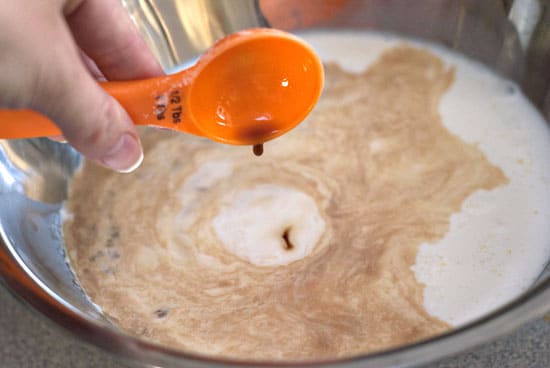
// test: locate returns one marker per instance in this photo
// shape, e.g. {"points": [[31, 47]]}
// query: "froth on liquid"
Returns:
{"points": [[393, 197]]}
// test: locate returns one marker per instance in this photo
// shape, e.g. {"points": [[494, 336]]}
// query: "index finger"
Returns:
{"points": [[105, 32]]}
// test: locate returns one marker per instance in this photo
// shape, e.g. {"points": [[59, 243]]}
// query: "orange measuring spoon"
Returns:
{"points": [[250, 87]]}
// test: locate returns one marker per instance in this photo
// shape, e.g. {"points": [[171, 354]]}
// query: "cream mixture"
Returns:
{"points": [[414, 198]]}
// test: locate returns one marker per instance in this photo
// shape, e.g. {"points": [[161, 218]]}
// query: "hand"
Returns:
{"points": [[50, 53]]}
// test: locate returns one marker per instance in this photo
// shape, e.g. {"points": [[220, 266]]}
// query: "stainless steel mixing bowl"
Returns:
{"points": [[512, 37]]}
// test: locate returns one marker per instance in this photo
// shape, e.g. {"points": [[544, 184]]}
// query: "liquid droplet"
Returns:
{"points": [[258, 149]]}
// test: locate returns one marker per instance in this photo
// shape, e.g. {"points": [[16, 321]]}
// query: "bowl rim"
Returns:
{"points": [[32, 293]]}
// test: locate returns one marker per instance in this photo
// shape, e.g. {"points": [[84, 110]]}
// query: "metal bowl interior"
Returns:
{"points": [[510, 37]]}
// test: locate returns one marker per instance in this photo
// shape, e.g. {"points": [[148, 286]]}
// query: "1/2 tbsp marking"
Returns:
{"points": [[176, 110]]}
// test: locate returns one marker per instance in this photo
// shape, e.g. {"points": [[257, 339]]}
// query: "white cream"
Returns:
{"points": [[499, 243], [269, 225]]}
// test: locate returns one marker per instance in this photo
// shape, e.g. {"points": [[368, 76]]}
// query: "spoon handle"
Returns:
{"points": [[15, 124], [158, 102]]}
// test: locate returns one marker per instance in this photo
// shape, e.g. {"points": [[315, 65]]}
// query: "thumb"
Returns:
{"points": [[92, 121]]}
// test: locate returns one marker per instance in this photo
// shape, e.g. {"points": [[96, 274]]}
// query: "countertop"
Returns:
{"points": [[28, 342]]}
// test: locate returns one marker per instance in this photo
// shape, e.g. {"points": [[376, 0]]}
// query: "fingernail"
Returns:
{"points": [[125, 156]]}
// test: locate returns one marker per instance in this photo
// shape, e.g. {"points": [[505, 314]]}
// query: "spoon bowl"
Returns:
{"points": [[254, 86]]}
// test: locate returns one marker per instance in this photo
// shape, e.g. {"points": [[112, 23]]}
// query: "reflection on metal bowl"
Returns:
{"points": [[510, 37]]}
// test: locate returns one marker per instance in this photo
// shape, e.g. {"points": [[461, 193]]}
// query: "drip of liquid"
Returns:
{"points": [[288, 243], [258, 149]]}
